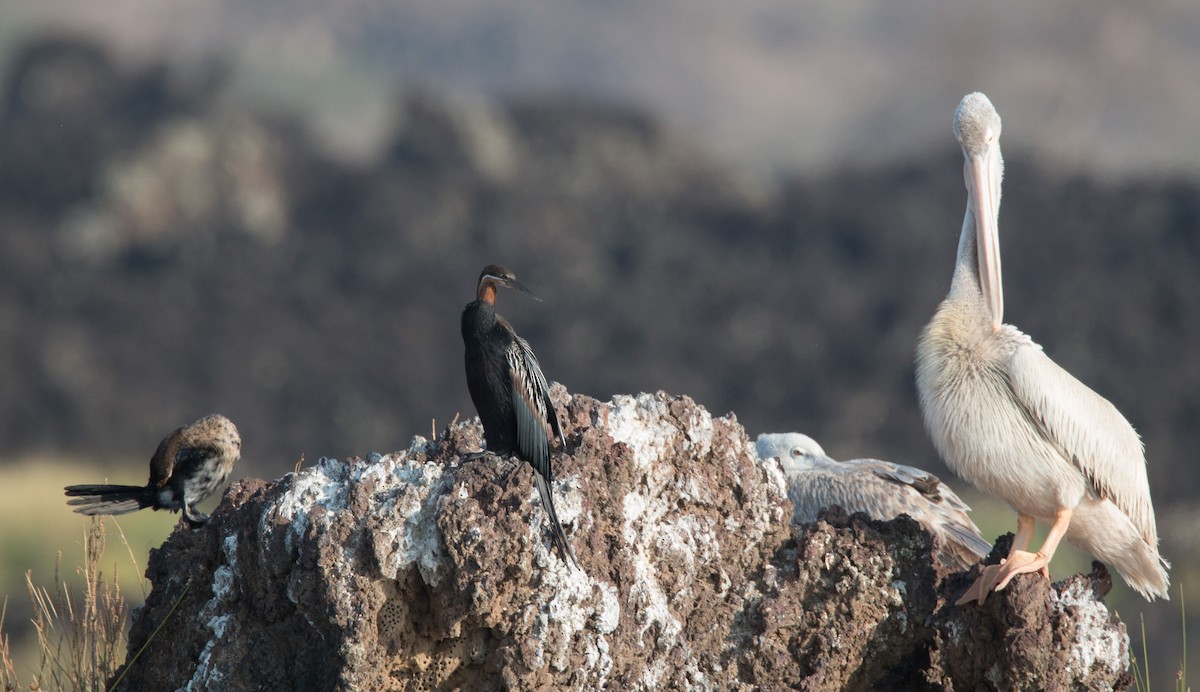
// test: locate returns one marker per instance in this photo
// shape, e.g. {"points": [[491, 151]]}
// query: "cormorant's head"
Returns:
{"points": [[494, 275]]}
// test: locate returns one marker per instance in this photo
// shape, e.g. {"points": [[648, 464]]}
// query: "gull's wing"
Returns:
{"points": [[884, 491]]}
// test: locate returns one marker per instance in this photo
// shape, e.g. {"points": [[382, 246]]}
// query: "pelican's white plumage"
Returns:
{"points": [[1012, 422], [881, 489]]}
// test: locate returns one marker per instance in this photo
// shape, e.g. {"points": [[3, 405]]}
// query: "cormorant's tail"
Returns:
{"points": [[109, 499], [560, 538]]}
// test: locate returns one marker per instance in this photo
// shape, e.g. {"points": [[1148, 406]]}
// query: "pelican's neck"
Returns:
{"points": [[965, 285]]}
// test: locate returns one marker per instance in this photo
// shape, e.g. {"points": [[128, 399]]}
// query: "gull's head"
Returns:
{"points": [[796, 452]]}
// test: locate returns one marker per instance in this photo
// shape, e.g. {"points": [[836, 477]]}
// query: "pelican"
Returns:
{"points": [[1012, 422], [881, 489]]}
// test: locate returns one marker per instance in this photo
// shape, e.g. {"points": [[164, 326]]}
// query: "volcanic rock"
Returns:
{"points": [[419, 570]]}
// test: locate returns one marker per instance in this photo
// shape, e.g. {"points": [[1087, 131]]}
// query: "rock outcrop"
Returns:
{"points": [[417, 570]]}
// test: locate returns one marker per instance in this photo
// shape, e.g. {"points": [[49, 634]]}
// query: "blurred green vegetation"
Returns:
{"points": [[38, 528]]}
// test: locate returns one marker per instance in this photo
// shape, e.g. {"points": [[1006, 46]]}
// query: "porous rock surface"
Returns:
{"points": [[419, 570]]}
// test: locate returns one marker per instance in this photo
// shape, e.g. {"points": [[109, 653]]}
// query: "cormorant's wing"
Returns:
{"points": [[187, 459], [162, 464]]}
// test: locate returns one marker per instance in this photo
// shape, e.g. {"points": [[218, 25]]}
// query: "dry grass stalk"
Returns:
{"points": [[82, 643]]}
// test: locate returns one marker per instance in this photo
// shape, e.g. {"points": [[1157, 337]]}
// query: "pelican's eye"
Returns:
{"points": [[797, 452]]}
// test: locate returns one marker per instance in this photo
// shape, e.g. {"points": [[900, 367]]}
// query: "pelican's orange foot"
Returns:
{"points": [[979, 590], [1021, 562], [996, 577]]}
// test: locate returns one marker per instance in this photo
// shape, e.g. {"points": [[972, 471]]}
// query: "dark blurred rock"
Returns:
{"points": [[69, 109], [419, 571], [166, 253]]}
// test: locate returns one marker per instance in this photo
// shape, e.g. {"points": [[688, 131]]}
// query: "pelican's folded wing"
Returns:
{"points": [[1088, 431]]}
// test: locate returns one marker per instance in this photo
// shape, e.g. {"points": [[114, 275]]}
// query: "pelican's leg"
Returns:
{"points": [[1024, 534], [990, 576], [1022, 562]]}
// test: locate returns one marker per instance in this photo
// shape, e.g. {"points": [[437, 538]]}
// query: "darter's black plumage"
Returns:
{"points": [[509, 390]]}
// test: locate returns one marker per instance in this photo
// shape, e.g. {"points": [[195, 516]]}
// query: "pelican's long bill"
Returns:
{"points": [[983, 176], [983, 172]]}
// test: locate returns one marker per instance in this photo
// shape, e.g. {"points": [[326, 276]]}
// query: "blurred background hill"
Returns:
{"points": [[1107, 85], [279, 213]]}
